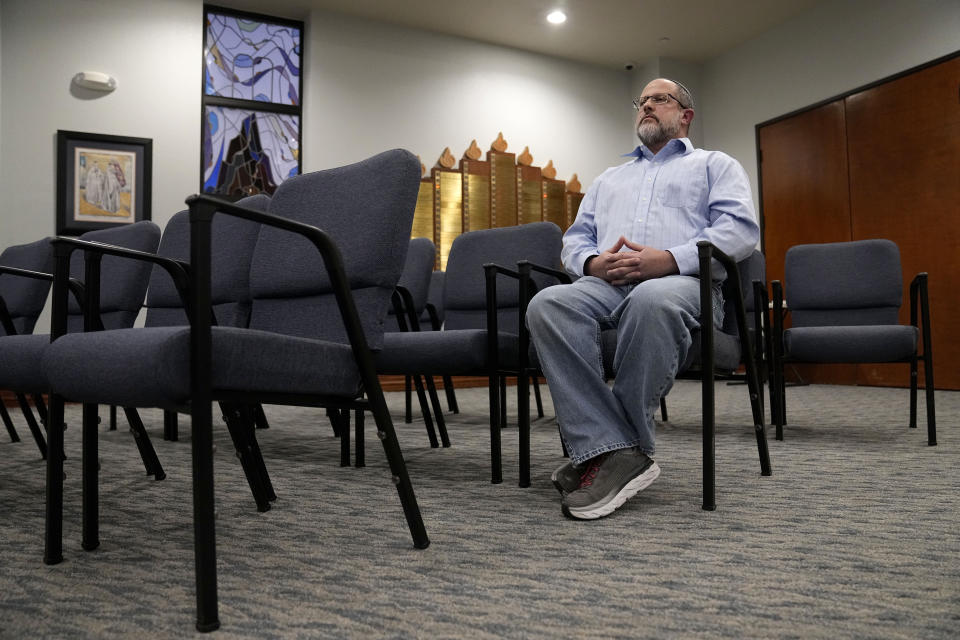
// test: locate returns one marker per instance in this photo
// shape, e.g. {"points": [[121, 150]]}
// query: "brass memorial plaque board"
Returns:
{"points": [[553, 203], [529, 195], [503, 189], [423, 226], [573, 205], [448, 210], [476, 194]]}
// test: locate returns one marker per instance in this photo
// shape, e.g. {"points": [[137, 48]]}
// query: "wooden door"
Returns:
{"points": [[805, 199], [903, 140]]}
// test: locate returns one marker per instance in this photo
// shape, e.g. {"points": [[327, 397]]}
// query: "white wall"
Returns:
{"points": [[830, 49], [373, 86], [152, 48], [369, 87]]}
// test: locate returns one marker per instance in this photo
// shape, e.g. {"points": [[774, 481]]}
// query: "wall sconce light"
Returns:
{"points": [[95, 80]]}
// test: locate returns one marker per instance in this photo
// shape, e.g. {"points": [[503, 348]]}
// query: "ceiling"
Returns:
{"points": [[612, 33]]}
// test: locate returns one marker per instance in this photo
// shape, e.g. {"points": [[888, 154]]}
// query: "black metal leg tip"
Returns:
{"points": [[709, 507], [263, 508], [932, 443], [57, 559], [524, 484], [423, 544], [159, 476], [207, 627], [90, 546]]}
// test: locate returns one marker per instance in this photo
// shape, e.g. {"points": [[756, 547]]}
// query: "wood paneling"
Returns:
{"points": [[904, 155], [804, 173], [803, 170], [884, 163]]}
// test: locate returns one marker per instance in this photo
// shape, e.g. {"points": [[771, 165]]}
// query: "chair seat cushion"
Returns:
{"points": [[151, 367], [20, 369], [876, 343], [454, 352]]}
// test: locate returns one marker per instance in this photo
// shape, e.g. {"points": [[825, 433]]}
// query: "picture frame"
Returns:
{"points": [[102, 181]]}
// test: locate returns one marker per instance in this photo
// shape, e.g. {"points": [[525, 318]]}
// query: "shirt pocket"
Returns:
{"points": [[682, 192]]}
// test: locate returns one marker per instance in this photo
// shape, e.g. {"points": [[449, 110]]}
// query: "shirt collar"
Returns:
{"points": [[679, 146]]}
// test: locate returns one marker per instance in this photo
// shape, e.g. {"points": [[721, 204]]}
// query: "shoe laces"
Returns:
{"points": [[590, 473]]}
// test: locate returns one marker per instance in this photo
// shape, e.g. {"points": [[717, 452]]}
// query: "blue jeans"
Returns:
{"points": [[653, 318]]}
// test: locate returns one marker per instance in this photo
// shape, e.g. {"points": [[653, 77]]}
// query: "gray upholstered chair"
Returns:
{"points": [[410, 304], [232, 251], [324, 266], [844, 300], [716, 352], [119, 303], [480, 335], [432, 317], [25, 277]]}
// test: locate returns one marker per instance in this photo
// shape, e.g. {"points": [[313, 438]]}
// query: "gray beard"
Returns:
{"points": [[657, 133]]}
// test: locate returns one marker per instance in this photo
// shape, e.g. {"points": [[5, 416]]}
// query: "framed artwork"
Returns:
{"points": [[250, 102], [102, 181]]}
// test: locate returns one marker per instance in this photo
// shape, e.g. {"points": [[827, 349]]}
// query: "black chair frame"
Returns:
{"points": [[919, 302]]}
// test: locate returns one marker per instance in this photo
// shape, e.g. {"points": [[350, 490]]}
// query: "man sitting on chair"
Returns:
{"points": [[634, 242]]}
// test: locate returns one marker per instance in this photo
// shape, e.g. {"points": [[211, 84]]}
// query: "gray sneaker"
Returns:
{"points": [[608, 481], [566, 477]]}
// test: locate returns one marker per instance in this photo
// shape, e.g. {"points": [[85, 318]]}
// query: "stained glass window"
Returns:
{"points": [[252, 83]]}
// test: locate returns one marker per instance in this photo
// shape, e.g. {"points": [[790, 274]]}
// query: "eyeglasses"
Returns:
{"points": [[657, 98]]}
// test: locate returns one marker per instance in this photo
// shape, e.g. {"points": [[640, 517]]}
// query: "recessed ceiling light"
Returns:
{"points": [[556, 17]]}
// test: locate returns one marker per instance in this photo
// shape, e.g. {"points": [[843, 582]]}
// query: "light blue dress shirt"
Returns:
{"points": [[669, 201]]}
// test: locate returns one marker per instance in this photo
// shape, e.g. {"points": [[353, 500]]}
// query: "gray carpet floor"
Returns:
{"points": [[854, 536]]}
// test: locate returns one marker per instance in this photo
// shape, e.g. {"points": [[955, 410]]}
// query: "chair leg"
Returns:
{"points": [[343, 420], [147, 453], [425, 410], [171, 431], [259, 417], [523, 425], [32, 424], [496, 464], [536, 394], [503, 403], [913, 394], [113, 417], [663, 408], [451, 394], [8, 423], [437, 411], [91, 474], [239, 434], [41, 406], [204, 516], [359, 455], [929, 389], [53, 515], [249, 414], [407, 399]]}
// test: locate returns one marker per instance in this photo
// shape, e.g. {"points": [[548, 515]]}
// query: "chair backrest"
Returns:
{"points": [[464, 294], [843, 283], [123, 282], [25, 297], [367, 209], [232, 249], [753, 267], [416, 276]]}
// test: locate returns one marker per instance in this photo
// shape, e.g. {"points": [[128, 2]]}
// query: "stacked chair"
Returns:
{"points": [[117, 305], [481, 326], [325, 263], [844, 302], [715, 351], [24, 283]]}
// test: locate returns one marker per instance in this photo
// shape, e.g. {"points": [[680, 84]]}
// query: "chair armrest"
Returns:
{"points": [[562, 276], [179, 271], [491, 271], [72, 284]]}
